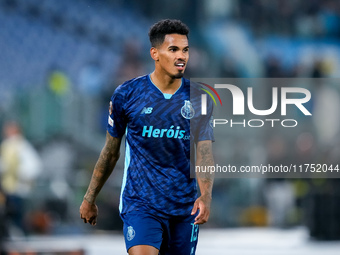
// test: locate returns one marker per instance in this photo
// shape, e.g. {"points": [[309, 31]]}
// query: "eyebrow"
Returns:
{"points": [[176, 47]]}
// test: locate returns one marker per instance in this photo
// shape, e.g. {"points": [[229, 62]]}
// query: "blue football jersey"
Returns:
{"points": [[161, 131]]}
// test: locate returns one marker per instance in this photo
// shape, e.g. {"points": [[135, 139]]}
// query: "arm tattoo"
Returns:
{"points": [[205, 160], [104, 167]]}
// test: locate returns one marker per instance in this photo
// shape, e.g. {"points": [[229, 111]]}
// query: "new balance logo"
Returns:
{"points": [[146, 110]]}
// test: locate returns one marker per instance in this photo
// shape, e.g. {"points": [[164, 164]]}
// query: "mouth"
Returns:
{"points": [[180, 65]]}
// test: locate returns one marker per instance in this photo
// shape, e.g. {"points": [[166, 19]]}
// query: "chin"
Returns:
{"points": [[178, 76]]}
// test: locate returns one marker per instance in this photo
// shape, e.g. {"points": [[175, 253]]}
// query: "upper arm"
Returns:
{"points": [[117, 120], [203, 126]]}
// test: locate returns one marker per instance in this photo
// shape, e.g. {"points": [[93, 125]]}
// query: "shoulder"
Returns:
{"points": [[130, 86], [194, 88], [198, 89]]}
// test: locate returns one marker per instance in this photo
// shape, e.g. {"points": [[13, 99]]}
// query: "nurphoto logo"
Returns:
{"points": [[281, 97]]}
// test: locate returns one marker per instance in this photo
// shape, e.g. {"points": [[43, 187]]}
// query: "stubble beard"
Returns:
{"points": [[178, 75]]}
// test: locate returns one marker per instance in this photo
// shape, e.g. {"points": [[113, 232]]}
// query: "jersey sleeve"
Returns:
{"points": [[205, 125], [116, 120]]}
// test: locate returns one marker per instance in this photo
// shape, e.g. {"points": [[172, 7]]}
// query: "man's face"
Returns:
{"points": [[173, 55]]}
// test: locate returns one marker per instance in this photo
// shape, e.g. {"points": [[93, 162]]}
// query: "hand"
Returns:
{"points": [[203, 205], [88, 212]]}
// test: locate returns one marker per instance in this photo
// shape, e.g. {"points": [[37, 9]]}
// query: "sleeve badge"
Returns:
{"points": [[110, 108]]}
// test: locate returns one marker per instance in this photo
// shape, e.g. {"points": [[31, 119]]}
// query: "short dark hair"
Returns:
{"points": [[159, 30]]}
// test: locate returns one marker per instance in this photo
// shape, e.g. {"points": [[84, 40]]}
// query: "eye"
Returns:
{"points": [[186, 50], [173, 50]]}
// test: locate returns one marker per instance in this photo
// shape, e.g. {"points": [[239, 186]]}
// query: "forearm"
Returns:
{"points": [[101, 173], [205, 160], [103, 169]]}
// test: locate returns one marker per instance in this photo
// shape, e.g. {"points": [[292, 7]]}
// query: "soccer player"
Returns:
{"points": [[160, 113]]}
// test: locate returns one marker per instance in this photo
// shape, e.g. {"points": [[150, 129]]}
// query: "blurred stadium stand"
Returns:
{"points": [[244, 241]]}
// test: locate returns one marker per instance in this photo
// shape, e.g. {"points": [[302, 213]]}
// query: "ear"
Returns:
{"points": [[154, 53]]}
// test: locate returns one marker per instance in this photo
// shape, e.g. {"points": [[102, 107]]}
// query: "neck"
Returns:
{"points": [[165, 83]]}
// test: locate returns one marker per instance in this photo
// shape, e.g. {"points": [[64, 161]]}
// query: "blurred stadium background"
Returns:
{"points": [[61, 60]]}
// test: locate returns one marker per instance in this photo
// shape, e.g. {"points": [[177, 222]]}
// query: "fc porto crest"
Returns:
{"points": [[130, 233], [187, 110]]}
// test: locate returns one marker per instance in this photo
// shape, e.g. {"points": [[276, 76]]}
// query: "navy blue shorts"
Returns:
{"points": [[171, 236]]}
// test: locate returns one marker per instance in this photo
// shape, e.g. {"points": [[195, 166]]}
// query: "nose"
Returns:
{"points": [[182, 55]]}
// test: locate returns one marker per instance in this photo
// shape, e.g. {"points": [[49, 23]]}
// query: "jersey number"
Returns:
{"points": [[194, 232]]}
